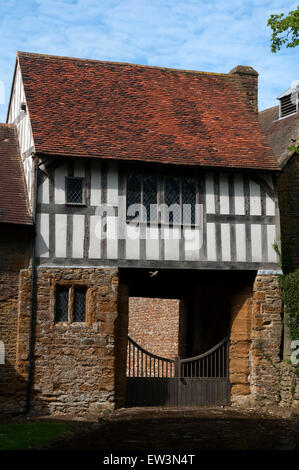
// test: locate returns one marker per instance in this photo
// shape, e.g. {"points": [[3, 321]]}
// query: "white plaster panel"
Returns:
{"points": [[192, 244], [239, 195], [60, 235], [271, 237], [132, 241], [224, 195], [78, 236], [210, 194], [112, 240], [256, 242], [152, 243], [43, 192], [60, 175], [240, 242], [95, 237], [42, 235], [225, 242], [270, 205], [211, 242], [255, 198], [112, 184], [95, 190], [171, 243]]}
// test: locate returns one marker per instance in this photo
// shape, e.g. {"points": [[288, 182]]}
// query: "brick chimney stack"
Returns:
{"points": [[249, 81]]}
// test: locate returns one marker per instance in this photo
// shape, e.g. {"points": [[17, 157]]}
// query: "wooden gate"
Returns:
{"points": [[157, 381]]}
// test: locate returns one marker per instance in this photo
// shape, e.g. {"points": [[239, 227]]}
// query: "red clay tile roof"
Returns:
{"points": [[121, 111], [13, 197]]}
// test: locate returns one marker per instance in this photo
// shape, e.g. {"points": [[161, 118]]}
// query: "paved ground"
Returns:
{"points": [[181, 429]]}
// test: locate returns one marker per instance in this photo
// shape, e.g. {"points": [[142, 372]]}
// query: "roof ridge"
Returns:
{"points": [[96, 61]]}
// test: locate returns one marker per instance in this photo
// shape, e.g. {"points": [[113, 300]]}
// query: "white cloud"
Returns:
{"points": [[193, 34]]}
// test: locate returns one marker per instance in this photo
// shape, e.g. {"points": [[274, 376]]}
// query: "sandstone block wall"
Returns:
{"points": [[266, 339], [240, 331], [9, 285], [74, 363], [288, 385], [80, 368], [13, 257]]}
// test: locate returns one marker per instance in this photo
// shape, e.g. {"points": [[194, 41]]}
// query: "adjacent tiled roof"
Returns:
{"points": [[13, 199], [267, 116], [121, 111], [280, 132]]}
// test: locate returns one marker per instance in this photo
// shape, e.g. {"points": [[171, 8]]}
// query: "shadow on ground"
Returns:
{"points": [[180, 429]]}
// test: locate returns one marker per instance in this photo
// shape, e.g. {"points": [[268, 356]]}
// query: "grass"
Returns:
{"points": [[19, 436]]}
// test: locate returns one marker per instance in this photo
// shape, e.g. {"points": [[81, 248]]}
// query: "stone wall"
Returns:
{"points": [[13, 257], [80, 368], [9, 283], [288, 385], [266, 339], [155, 324], [74, 363], [258, 375], [240, 330], [273, 381]]}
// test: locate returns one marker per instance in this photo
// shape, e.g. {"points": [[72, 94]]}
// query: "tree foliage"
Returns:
{"points": [[285, 30]]}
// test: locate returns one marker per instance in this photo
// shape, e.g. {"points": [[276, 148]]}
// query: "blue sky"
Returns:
{"points": [[212, 36]]}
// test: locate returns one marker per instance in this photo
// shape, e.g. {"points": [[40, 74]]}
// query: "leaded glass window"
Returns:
{"points": [[74, 191], [179, 198], [70, 304], [79, 305], [150, 198], [188, 200], [62, 304], [172, 198], [133, 194], [142, 192]]}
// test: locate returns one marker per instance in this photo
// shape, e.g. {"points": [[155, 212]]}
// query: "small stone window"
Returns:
{"points": [[75, 190], [70, 304], [62, 304], [79, 305]]}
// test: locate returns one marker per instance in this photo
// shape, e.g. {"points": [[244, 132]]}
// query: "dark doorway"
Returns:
{"points": [[207, 298]]}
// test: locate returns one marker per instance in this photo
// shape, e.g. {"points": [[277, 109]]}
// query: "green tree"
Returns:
{"points": [[285, 30]]}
